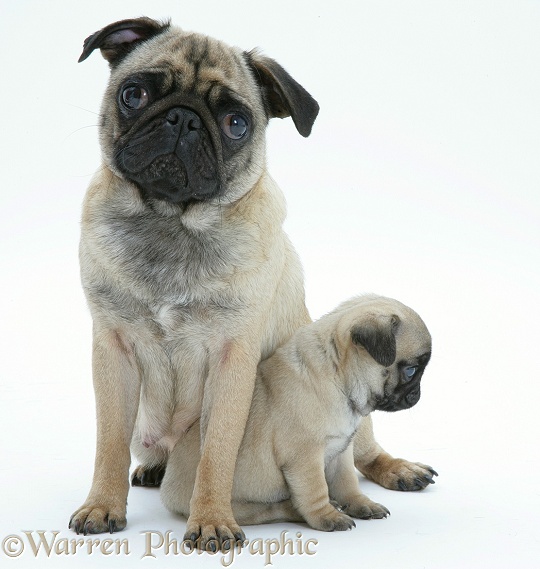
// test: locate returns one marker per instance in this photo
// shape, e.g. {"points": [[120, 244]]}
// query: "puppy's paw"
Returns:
{"points": [[399, 474], [213, 535], [331, 519], [98, 519], [148, 475], [363, 508]]}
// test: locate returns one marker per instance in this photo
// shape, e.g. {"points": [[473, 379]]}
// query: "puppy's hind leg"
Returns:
{"points": [[253, 513], [392, 473]]}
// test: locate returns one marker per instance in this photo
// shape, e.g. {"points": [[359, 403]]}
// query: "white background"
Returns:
{"points": [[420, 181]]}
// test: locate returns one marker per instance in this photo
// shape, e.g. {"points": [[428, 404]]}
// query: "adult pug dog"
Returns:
{"points": [[189, 276], [296, 457]]}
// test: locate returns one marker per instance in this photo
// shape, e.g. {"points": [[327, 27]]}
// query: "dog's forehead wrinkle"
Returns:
{"points": [[203, 52]]}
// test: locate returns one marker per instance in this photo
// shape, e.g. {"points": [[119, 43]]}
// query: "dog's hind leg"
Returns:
{"points": [[253, 513], [148, 475], [377, 465]]}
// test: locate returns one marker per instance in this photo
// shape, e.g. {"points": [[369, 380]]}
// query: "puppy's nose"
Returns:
{"points": [[183, 119]]}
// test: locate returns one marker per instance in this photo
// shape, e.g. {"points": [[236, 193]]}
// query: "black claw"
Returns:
{"points": [[191, 540], [150, 476], [112, 526], [189, 544], [212, 545], [240, 537], [70, 520], [419, 483], [77, 527], [402, 485], [87, 528], [434, 472], [226, 546]]}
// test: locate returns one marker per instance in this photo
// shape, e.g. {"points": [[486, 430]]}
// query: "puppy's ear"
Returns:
{"points": [[116, 40], [282, 95], [377, 334]]}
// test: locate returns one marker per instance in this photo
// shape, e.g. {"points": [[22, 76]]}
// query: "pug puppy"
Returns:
{"points": [[188, 274], [296, 460]]}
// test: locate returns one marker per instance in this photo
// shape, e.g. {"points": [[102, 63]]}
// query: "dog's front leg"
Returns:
{"points": [[117, 389], [305, 476], [344, 489], [227, 399]]}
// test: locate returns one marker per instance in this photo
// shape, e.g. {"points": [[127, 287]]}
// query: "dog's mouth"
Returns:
{"points": [[167, 178], [172, 158], [400, 399]]}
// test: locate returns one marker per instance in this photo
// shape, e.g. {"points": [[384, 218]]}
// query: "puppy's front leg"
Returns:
{"points": [[305, 477], [117, 388], [226, 402], [344, 489]]}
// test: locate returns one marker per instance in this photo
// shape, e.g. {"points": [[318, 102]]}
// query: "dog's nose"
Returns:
{"points": [[183, 119]]}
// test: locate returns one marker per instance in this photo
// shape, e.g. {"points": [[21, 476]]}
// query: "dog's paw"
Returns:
{"points": [[335, 522], [399, 474], [98, 519], [148, 475], [331, 519], [363, 508], [213, 535]]}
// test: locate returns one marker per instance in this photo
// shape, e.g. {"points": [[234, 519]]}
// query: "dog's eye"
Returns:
{"points": [[410, 371], [135, 97], [234, 126]]}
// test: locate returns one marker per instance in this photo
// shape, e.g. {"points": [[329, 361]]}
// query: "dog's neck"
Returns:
{"points": [[315, 356], [200, 218]]}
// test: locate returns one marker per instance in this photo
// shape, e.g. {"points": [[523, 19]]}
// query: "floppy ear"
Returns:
{"points": [[377, 334], [283, 96], [116, 40]]}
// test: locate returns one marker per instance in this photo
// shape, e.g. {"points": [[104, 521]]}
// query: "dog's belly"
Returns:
{"points": [[174, 362]]}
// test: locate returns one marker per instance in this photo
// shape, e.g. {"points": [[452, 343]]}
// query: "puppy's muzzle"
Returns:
{"points": [[404, 396], [171, 157]]}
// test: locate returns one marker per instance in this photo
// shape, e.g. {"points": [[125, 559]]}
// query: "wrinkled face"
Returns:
{"points": [[402, 388], [183, 119], [389, 349], [184, 115]]}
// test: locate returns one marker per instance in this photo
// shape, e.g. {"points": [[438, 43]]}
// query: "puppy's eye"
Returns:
{"points": [[234, 126], [410, 371], [135, 97]]}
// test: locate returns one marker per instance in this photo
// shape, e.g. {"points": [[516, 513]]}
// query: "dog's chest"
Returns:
{"points": [[166, 317], [175, 321], [159, 263], [165, 256], [341, 436]]}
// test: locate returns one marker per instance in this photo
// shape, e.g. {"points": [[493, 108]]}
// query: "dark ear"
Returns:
{"points": [[283, 96], [116, 40], [377, 334]]}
